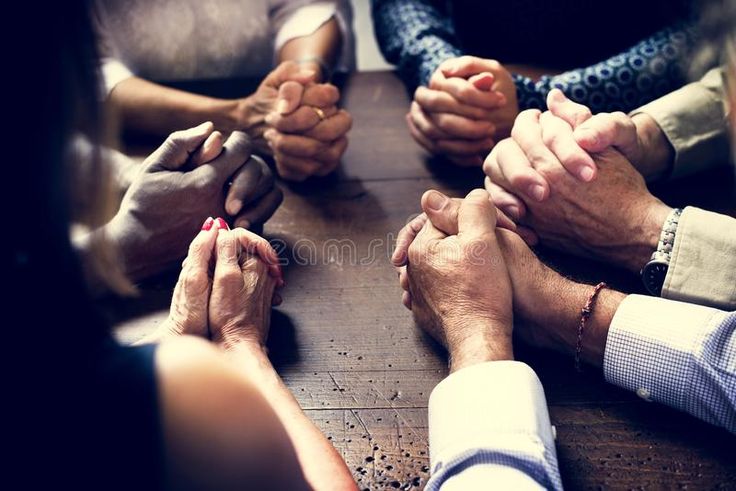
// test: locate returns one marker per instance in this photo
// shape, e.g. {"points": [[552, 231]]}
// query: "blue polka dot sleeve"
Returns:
{"points": [[624, 82], [414, 35]]}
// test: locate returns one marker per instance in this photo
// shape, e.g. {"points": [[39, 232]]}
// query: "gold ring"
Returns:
{"points": [[320, 113]]}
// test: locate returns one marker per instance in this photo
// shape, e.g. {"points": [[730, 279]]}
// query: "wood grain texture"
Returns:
{"points": [[353, 358]]}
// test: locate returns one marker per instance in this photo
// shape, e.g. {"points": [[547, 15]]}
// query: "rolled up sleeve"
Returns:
{"points": [[694, 121], [703, 264], [302, 18]]}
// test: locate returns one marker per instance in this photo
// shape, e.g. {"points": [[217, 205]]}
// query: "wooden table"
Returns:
{"points": [[363, 372]]}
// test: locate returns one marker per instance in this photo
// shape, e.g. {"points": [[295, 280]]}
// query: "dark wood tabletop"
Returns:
{"points": [[363, 371]]}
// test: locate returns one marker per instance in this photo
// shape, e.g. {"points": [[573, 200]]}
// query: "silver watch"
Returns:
{"points": [[654, 272]]}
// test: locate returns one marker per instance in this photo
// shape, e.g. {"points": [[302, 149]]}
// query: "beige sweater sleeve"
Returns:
{"points": [[703, 265], [694, 120]]}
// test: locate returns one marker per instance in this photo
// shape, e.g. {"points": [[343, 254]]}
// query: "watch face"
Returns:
{"points": [[653, 276]]}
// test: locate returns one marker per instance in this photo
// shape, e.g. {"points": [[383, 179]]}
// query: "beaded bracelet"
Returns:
{"points": [[585, 314]]}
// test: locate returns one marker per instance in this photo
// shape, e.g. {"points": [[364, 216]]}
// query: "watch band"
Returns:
{"points": [[667, 237]]}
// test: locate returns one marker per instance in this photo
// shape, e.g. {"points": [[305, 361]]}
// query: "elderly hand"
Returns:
{"points": [[178, 185], [246, 275], [546, 304], [190, 302], [470, 102], [251, 112], [614, 218], [458, 285], [307, 133], [569, 141]]}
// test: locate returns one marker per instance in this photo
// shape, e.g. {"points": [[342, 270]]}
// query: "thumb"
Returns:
{"points": [[476, 216], [609, 130], [562, 107], [289, 70], [179, 146], [290, 97], [441, 210], [483, 81], [466, 66]]}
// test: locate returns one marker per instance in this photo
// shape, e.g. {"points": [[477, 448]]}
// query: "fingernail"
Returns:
{"points": [[436, 201], [222, 224], [269, 118], [586, 174], [537, 192], [207, 225], [234, 206], [282, 106]]}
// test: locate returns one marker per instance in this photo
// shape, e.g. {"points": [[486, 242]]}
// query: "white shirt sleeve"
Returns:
{"points": [[112, 69], [675, 353], [302, 18], [488, 423]]}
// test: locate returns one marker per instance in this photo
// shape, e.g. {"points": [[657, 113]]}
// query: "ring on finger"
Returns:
{"points": [[320, 113]]}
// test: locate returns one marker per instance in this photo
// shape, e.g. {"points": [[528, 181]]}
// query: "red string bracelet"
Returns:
{"points": [[585, 314]]}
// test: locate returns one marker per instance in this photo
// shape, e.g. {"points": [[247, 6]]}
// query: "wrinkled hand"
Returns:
{"points": [[613, 218], [252, 111], [569, 140], [307, 132], [469, 104], [246, 275], [538, 291], [457, 286], [190, 302], [179, 185]]}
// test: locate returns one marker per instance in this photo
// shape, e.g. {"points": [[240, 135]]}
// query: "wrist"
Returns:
{"points": [[564, 301], [239, 343], [488, 342], [645, 235], [249, 118], [657, 154]]}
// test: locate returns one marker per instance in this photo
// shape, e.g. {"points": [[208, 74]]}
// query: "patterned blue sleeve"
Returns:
{"points": [[414, 35], [647, 71]]}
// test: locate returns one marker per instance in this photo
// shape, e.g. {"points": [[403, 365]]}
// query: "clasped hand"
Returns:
{"points": [[194, 174], [470, 103], [299, 122], [569, 179], [226, 287]]}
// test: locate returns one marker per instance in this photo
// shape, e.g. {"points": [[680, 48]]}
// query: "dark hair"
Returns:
{"points": [[51, 92], [55, 94]]}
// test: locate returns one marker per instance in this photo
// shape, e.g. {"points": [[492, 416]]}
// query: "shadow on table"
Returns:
{"points": [[282, 343], [453, 175]]}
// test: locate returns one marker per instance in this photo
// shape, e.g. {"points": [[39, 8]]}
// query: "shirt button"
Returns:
{"points": [[644, 394]]}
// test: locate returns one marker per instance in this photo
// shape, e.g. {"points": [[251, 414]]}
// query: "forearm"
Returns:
{"points": [[644, 72], [488, 343], [321, 463], [564, 300], [323, 46], [147, 107], [658, 155], [416, 36]]}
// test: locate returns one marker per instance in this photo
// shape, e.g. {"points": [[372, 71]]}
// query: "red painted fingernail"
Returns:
{"points": [[207, 225], [222, 224]]}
